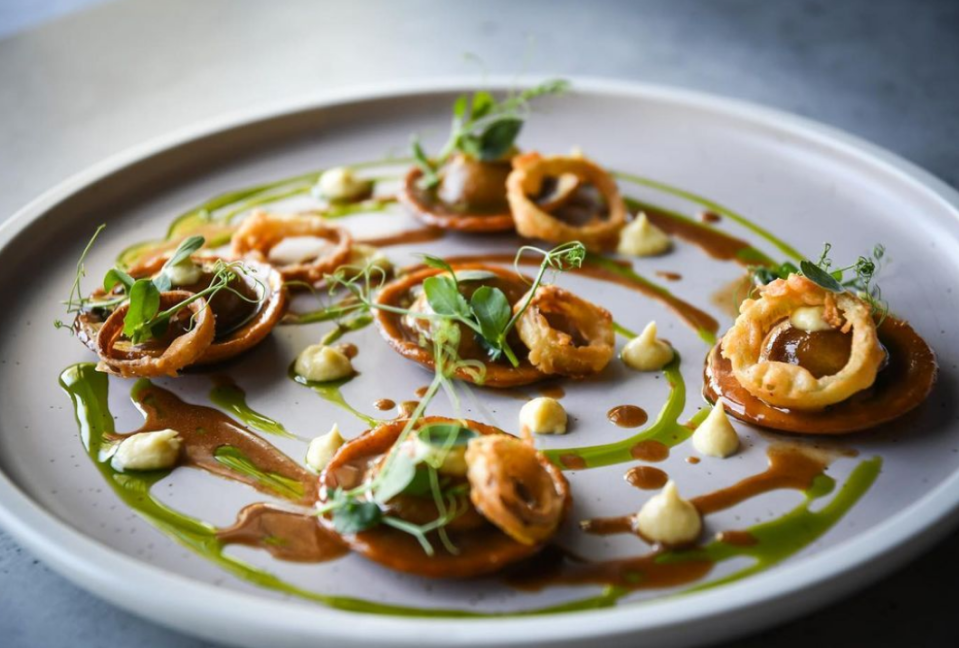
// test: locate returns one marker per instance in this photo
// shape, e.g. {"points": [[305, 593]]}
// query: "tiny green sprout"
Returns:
{"points": [[482, 127]]}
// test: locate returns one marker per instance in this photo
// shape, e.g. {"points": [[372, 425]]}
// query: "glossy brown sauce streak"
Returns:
{"points": [[572, 462], [627, 416], [710, 217], [204, 429], [789, 467], [692, 460], [737, 538], [693, 316], [288, 535], [384, 404], [646, 477], [421, 391], [418, 235], [669, 276], [714, 243], [650, 450], [406, 408]]}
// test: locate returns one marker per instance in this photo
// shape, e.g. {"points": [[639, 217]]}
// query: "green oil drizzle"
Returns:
{"points": [[234, 459], [233, 399], [783, 537], [330, 392], [347, 326], [783, 247]]}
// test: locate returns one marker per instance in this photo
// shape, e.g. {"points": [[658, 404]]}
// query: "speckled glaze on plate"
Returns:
{"points": [[803, 182]]}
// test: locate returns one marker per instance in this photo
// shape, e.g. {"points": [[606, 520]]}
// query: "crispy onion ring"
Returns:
{"points": [[529, 172], [182, 351], [516, 488], [554, 351], [792, 386], [262, 231]]}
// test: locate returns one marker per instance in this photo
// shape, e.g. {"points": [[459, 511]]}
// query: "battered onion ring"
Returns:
{"points": [[184, 350], [262, 230], [792, 386], [515, 487], [529, 172], [554, 351]]}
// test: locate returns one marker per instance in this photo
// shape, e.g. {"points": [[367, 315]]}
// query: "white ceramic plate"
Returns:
{"points": [[803, 182]]}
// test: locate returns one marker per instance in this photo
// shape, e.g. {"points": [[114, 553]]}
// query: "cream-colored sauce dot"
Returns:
{"points": [[641, 238], [339, 184], [322, 449], [321, 363], [809, 319], [147, 451], [668, 519], [299, 249], [716, 436], [184, 273], [646, 352], [543, 415]]}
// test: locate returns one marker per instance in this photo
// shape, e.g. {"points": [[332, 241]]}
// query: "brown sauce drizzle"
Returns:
{"points": [[693, 316], [729, 297], [552, 391], [627, 416], [407, 237], [421, 391], [349, 349], [384, 404], [204, 429], [710, 217], [406, 408], [692, 460], [904, 383], [650, 450], [737, 538], [287, 535], [789, 467], [713, 242], [669, 276], [646, 477], [572, 462]]}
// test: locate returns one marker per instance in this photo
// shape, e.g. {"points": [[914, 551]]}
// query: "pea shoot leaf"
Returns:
{"points": [[144, 304], [187, 247], [400, 473], [115, 277], [492, 312], [820, 277], [444, 296], [352, 515], [474, 275], [446, 435], [436, 262], [498, 139]]}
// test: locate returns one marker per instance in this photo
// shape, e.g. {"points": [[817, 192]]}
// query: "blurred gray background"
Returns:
{"points": [[82, 79]]}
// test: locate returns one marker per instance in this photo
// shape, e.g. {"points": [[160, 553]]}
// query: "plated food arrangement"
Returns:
{"points": [[814, 351]]}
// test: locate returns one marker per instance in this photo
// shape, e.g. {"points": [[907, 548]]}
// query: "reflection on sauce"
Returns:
{"points": [[288, 535], [646, 477], [406, 408], [627, 416], [669, 276], [650, 450], [384, 404], [552, 391]]}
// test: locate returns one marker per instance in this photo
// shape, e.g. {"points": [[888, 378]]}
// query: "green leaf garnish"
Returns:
{"points": [[483, 127], [186, 248], [352, 515], [820, 277], [144, 305], [446, 435], [396, 479], [443, 295], [492, 312], [115, 277]]}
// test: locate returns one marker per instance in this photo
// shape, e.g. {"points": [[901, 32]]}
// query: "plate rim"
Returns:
{"points": [[243, 617]]}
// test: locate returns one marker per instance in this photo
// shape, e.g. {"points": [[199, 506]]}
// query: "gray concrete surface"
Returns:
{"points": [[90, 84]]}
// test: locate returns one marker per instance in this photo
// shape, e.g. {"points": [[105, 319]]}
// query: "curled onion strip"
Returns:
{"points": [[182, 351], [532, 221], [555, 351]]}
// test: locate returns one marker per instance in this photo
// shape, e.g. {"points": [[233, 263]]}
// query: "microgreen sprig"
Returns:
{"points": [[75, 301], [823, 274], [483, 127]]}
